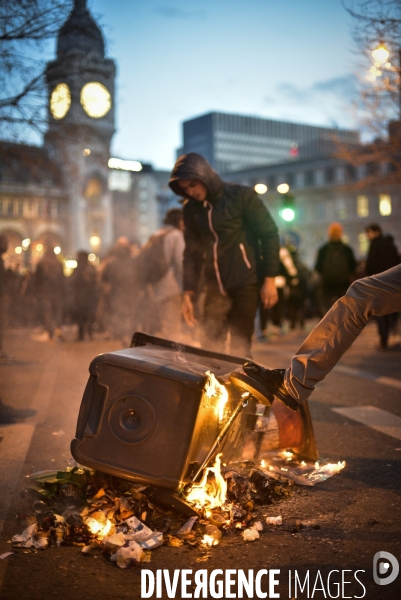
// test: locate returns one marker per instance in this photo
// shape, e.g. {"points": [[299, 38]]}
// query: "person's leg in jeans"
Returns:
{"points": [[383, 327], [334, 334], [241, 319], [215, 319]]}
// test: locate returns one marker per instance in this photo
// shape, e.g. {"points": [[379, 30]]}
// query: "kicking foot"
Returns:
{"points": [[273, 382]]}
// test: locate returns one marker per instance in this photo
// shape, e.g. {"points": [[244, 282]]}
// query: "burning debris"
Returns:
{"points": [[185, 499], [96, 511]]}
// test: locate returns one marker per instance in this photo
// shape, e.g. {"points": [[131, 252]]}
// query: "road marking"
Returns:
{"points": [[373, 417], [390, 381]]}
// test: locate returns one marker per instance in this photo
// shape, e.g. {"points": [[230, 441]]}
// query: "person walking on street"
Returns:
{"points": [[232, 244], [119, 285], [382, 255], [365, 299], [336, 266], [50, 288], [167, 291], [3, 295], [84, 295]]}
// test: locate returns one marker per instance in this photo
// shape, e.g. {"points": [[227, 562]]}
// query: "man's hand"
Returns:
{"points": [[187, 309], [268, 293]]}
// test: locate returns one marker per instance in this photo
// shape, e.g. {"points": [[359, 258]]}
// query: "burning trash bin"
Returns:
{"points": [[158, 412]]}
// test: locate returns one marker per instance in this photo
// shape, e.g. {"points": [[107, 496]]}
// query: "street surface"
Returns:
{"points": [[358, 511]]}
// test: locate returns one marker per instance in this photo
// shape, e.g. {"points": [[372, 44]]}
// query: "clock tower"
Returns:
{"points": [[80, 83]]}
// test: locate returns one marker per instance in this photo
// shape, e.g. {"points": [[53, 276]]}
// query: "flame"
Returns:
{"points": [[206, 493], [214, 389], [97, 528], [209, 540], [333, 467]]}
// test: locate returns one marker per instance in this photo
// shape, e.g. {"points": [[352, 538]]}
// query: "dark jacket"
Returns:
{"points": [[230, 236], [382, 255], [336, 264]]}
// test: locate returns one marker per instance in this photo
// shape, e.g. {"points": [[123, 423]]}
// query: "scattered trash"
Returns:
{"points": [[102, 513], [3, 556], [274, 520], [187, 527], [287, 466], [250, 534], [58, 433]]}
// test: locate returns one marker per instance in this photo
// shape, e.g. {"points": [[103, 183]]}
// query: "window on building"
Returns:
{"points": [[361, 171], [319, 177], [309, 179], [340, 175], [120, 180], [329, 175], [385, 207], [321, 210], [363, 244], [340, 208], [362, 206], [300, 179]]}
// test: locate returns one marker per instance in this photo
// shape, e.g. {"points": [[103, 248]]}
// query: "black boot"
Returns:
{"points": [[273, 381]]}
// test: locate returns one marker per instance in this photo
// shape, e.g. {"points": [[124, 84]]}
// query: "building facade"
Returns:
{"points": [[322, 190], [64, 193], [231, 142]]}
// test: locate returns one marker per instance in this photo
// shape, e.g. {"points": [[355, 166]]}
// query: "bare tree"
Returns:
{"points": [[26, 27], [377, 23]]}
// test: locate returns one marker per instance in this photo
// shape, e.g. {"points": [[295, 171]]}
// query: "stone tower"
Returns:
{"points": [[80, 84]]}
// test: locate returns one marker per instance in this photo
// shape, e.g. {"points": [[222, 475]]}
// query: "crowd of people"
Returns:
{"points": [[214, 269]]}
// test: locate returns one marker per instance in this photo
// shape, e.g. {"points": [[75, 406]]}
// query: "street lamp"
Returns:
{"points": [[381, 54]]}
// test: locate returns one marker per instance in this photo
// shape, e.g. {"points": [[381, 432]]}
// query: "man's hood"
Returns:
{"points": [[194, 166]]}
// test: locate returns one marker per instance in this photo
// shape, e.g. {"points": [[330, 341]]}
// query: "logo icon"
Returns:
{"points": [[385, 568]]}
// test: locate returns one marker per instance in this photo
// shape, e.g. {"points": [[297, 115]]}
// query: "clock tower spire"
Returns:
{"points": [[80, 84]]}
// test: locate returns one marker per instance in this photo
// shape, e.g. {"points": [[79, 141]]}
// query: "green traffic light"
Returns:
{"points": [[288, 214]]}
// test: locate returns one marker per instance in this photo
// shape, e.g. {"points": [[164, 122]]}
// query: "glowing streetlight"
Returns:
{"points": [[260, 188], [95, 241], [57, 250], [283, 188], [25, 243], [380, 54]]}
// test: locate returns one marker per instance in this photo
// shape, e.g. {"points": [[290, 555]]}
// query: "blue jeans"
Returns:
{"points": [[365, 299]]}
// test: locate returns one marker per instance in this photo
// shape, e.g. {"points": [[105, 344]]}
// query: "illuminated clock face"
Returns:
{"points": [[60, 101], [95, 99]]}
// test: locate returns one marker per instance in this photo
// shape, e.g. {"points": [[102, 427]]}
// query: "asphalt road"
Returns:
{"points": [[358, 511]]}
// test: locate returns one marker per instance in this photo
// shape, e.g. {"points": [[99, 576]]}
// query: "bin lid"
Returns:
{"points": [[176, 365]]}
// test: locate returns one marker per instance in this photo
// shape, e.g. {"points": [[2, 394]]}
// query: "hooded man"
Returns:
{"points": [[232, 245]]}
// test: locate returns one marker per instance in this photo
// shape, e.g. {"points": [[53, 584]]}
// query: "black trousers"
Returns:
{"points": [[233, 313]]}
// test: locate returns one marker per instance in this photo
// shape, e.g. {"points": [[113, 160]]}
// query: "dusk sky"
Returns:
{"points": [[283, 59]]}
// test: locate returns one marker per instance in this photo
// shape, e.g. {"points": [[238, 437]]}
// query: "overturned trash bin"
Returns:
{"points": [[158, 412]]}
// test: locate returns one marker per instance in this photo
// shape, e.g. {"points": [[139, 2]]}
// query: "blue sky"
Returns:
{"points": [[287, 59]]}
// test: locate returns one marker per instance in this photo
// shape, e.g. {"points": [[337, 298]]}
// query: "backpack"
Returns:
{"points": [[335, 266], [151, 264]]}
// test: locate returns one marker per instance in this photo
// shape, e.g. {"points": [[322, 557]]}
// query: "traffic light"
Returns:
{"points": [[287, 210]]}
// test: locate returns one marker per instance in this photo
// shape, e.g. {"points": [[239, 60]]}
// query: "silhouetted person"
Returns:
{"points": [[3, 295], [336, 265], [382, 255], [84, 295], [167, 292], [119, 284], [50, 289]]}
